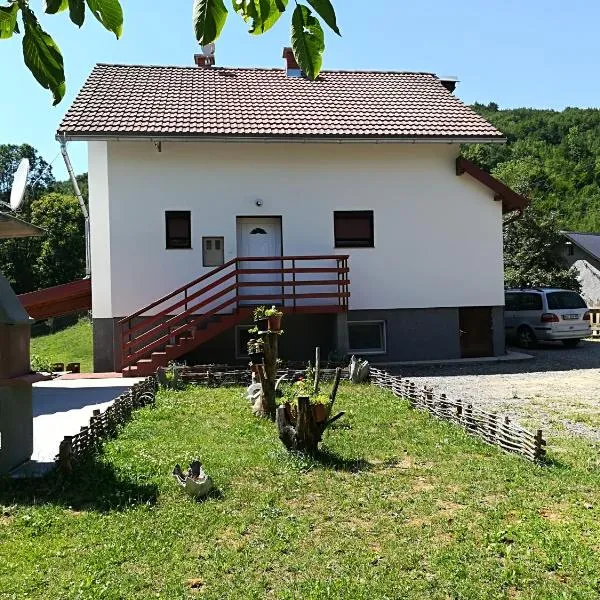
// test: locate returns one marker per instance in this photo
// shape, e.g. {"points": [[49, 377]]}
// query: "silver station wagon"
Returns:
{"points": [[545, 314]]}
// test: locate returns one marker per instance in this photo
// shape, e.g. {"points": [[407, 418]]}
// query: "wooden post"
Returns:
{"points": [[270, 340], [65, 455], [539, 445], [336, 383], [317, 370]]}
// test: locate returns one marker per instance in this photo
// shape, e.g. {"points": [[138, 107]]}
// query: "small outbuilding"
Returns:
{"points": [[16, 418], [582, 251]]}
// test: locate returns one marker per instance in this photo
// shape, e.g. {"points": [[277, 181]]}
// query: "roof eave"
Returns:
{"points": [[162, 137], [12, 228], [511, 200]]}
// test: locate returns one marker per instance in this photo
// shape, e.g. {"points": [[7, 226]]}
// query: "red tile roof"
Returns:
{"points": [[266, 103]]}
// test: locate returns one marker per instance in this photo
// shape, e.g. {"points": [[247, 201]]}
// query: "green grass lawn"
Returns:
{"points": [[399, 506], [72, 344]]}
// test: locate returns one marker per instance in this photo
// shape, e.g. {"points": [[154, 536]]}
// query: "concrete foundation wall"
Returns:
{"points": [[411, 334], [302, 333]]}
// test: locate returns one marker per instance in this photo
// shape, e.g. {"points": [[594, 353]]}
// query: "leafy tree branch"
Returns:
{"points": [[42, 55]]}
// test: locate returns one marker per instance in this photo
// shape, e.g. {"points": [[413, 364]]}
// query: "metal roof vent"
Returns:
{"points": [[292, 67]]}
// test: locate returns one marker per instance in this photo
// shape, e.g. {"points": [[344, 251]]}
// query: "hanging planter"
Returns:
{"points": [[274, 318], [260, 318]]}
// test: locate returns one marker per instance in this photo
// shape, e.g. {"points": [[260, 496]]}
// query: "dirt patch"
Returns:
{"points": [[554, 515], [448, 509], [359, 524], [421, 484], [232, 539]]}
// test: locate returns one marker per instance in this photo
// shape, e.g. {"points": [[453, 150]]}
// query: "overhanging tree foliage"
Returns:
{"points": [[532, 253], [43, 57]]}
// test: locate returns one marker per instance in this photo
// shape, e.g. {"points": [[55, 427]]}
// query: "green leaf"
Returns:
{"points": [[209, 17], [261, 14], [8, 21], [77, 11], [42, 57], [308, 41], [109, 13], [325, 10], [55, 6]]}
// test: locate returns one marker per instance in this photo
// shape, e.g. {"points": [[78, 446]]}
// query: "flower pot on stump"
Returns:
{"points": [[274, 323], [320, 413]]}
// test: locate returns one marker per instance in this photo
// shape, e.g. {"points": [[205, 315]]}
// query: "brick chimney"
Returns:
{"points": [[292, 67], [204, 61]]}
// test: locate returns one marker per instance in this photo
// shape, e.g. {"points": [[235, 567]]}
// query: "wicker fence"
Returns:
{"points": [[490, 427], [222, 375], [104, 425]]}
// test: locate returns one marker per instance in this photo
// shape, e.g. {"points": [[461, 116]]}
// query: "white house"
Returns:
{"points": [[379, 239]]}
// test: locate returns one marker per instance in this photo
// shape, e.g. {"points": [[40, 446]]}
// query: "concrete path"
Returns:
{"points": [[61, 407]]}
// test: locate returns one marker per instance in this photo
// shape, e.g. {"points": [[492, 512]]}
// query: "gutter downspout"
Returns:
{"points": [[84, 210]]}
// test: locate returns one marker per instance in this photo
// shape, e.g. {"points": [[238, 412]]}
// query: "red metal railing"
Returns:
{"points": [[294, 283]]}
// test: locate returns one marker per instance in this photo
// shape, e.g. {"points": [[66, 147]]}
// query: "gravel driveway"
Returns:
{"points": [[558, 390]]}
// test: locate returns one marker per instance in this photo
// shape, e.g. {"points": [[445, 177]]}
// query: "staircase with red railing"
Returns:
{"points": [[197, 312]]}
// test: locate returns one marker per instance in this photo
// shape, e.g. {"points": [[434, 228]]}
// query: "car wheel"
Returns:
{"points": [[571, 343], [526, 338]]}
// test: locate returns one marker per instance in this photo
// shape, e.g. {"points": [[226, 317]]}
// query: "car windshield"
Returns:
{"points": [[565, 300]]}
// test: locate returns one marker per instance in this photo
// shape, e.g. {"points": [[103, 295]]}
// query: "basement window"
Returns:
{"points": [[353, 229], [242, 337], [367, 337], [178, 226]]}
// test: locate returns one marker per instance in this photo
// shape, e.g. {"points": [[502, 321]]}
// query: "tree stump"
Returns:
{"points": [[306, 434]]}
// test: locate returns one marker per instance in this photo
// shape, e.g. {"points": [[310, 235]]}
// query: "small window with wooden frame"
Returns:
{"points": [[178, 228], [353, 229]]}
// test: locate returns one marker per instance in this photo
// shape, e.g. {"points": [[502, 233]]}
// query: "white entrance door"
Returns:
{"points": [[258, 237]]}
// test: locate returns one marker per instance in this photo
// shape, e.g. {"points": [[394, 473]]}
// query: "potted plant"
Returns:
{"points": [[320, 408], [274, 318], [260, 318], [255, 352]]}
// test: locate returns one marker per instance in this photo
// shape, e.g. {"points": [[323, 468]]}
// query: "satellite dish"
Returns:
{"points": [[208, 49], [17, 193]]}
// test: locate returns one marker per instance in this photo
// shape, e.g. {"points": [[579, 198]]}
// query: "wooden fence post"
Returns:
{"points": [[65, 455]]}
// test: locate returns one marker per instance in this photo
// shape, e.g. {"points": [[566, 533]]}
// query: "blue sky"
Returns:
{"points": [[536, 53]]}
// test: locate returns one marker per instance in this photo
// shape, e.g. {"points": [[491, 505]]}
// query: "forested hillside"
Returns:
{"points": [[552, 157]]}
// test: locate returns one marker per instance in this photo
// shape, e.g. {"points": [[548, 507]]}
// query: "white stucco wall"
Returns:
{"points": [[438, 237]]}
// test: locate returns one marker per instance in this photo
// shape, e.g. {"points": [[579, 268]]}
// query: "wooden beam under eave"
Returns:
{"points": [[511, 201]]}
